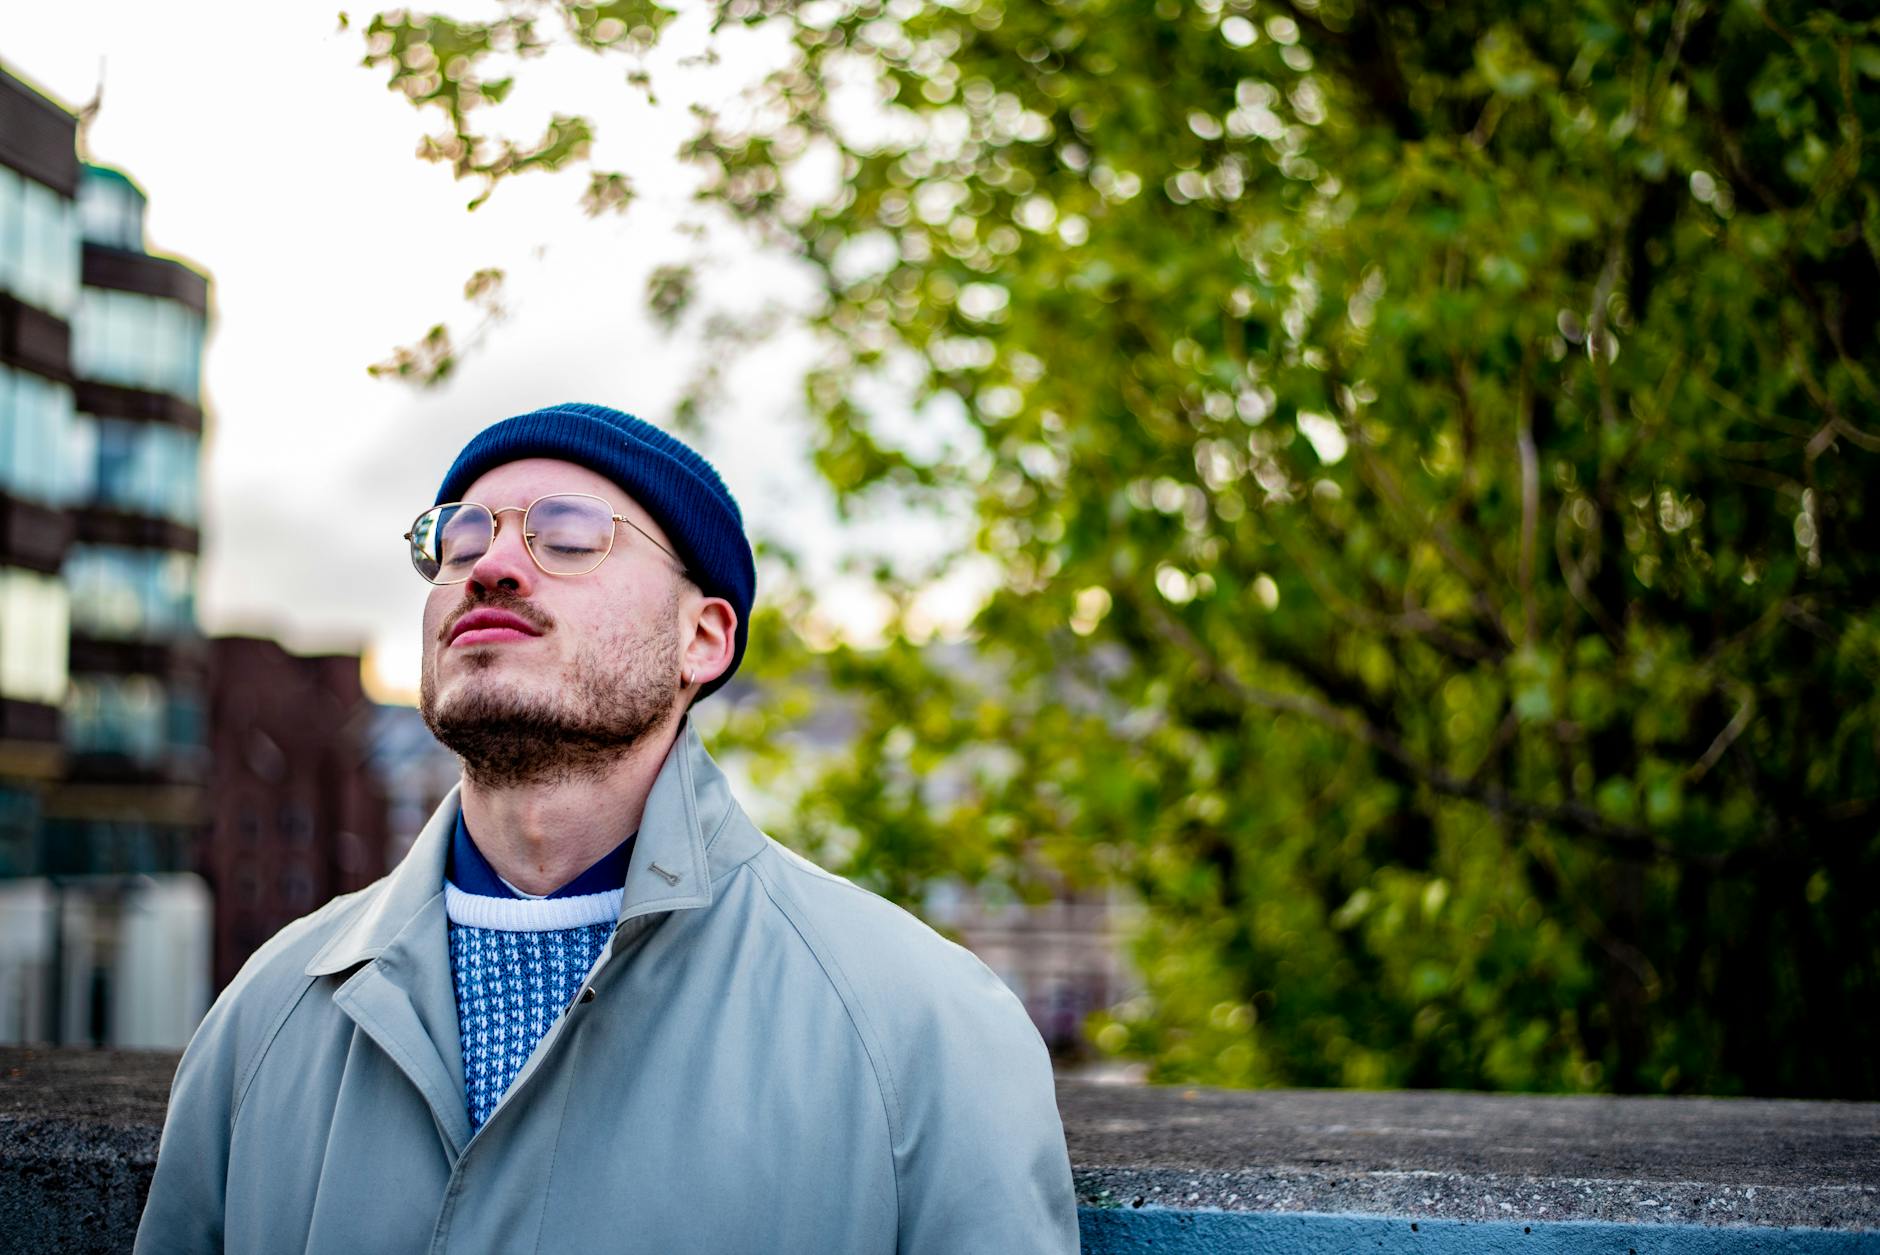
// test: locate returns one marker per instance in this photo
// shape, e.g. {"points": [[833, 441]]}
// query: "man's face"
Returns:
{"points": [[595, 666]]}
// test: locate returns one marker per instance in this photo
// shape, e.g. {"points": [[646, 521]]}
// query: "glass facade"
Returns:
{"points": [[116, 714], [142, 468], [45, 453], [34, 636], [115, 787], [19, 829], [138, 341], [136, 716], [110, 210], [39, 244], [131, 594], [92, 847]]}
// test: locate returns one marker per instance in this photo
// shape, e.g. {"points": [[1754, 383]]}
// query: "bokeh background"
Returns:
{"points": [[1345, 524]]}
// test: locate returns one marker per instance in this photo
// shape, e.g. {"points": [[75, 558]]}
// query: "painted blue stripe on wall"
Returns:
{"points": [[1169, 1231]]}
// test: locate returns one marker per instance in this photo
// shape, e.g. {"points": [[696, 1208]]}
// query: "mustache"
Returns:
{"points": [[497, 599]]}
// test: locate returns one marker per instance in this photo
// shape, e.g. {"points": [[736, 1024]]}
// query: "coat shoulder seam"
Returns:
{"points": [[864, 1027], [296, 992], [266, 1044]]}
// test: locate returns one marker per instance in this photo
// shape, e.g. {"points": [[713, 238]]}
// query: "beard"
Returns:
{"points": [[619, 689]]}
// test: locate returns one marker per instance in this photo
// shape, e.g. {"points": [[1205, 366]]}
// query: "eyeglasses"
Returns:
{"points": [[566, 533]]}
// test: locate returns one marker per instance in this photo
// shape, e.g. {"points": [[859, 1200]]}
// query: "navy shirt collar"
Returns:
{"points": [[472, 873]]}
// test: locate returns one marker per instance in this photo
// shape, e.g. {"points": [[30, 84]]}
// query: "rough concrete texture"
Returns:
{"points": [[1156, 1231], [1476, 1157], [1193, 1170], [78, 1141]]}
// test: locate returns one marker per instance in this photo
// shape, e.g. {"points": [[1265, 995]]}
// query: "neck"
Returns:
{"points": [[540, 836]]}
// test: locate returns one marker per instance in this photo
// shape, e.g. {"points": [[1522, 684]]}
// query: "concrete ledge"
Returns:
{"points": [[1199, 1172], [78, 1142], [1476, 1157], [1159, 1232]]}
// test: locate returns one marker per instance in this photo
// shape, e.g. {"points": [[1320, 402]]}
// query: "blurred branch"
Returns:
{"points": [[430, 360], [1674, 48], [1413, 620], [1383, 482], [1596, 333], [1746, 708], [1576, 817], [1577, 587], [1366, 48], [1504, 736], [1844, 170], [1530, 505], [1837, 424]]}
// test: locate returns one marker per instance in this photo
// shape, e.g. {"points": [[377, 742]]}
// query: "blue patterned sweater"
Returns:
{"points": [[518, 961]]}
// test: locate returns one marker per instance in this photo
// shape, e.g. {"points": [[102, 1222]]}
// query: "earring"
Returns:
{"points": [[685, 678]]}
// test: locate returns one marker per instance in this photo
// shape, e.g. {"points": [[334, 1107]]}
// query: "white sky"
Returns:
{"points": [[278, 164]]}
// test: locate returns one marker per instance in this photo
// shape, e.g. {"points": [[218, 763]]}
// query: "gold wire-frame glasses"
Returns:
{"points": [[426, 532]]}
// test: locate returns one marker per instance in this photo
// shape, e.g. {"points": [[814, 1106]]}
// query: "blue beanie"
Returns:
{"points": [[665, 475]]}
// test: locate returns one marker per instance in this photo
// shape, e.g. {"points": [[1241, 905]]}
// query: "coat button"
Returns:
{"points": [[587, 995]]}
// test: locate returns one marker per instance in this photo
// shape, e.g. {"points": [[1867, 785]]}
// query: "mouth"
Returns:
{"points": [[490, 627]]}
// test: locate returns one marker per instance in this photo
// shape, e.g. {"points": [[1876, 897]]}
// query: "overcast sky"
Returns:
{"points": [[278, 164]]}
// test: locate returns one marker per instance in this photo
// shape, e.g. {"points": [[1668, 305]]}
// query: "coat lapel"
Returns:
{"points": [[403, 997]]}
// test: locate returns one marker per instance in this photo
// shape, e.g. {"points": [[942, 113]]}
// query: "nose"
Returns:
{"points": [[506, 564]]}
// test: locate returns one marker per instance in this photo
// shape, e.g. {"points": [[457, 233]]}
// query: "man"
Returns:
{"points": [[594, 1009]]}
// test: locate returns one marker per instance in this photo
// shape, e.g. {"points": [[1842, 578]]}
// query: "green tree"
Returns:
{"points": [[1425, 449]]}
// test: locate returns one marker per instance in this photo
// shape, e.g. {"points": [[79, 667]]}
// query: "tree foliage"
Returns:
{"points": [[1425, 449]]}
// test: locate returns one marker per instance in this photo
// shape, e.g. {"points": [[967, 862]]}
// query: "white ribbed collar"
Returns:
{"points": [[531, 915]]}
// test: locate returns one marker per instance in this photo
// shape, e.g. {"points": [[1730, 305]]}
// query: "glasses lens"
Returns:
{"points": [[568, 534], [448, 541]]}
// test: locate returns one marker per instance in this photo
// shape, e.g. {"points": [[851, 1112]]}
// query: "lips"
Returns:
{"points": [[481, 627]]}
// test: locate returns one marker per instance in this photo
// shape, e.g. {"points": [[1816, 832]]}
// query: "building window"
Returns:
{"points": [[295, 823], [143, 468], [12, 231], [34, 632], [110, 210], [131, 594], [113, 847], [116, 714], [44, 449], [296, 889], [138, 341], [39, 244], [185, 725], [19, 832]]}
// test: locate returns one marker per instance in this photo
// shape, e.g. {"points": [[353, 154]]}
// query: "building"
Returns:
{"points": [[103, 755], [39, 291], [1064, 957], [133, 798], [299, 813]]}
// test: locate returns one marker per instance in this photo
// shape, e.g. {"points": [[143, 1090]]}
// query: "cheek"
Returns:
{"points": [[436, 608]]}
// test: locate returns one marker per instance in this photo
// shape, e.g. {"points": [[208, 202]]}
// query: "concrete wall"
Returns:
{"points": [[1200, 1172]]}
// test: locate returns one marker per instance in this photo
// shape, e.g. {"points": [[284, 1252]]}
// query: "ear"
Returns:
{"points": [[707, 653]]}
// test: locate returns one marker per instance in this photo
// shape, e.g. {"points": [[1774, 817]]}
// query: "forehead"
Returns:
{"points": [[518, 483]]}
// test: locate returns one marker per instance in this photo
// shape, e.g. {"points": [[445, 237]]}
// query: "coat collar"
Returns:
{"points": [[692, 833]]}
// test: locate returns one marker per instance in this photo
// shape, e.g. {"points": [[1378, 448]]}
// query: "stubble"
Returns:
{"points": [[619, 688]]}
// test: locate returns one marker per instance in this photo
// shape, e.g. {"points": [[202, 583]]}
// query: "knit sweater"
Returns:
{"points": [[517, 961]]}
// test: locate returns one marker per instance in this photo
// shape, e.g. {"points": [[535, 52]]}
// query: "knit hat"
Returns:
{"points": [[665, 475]]}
